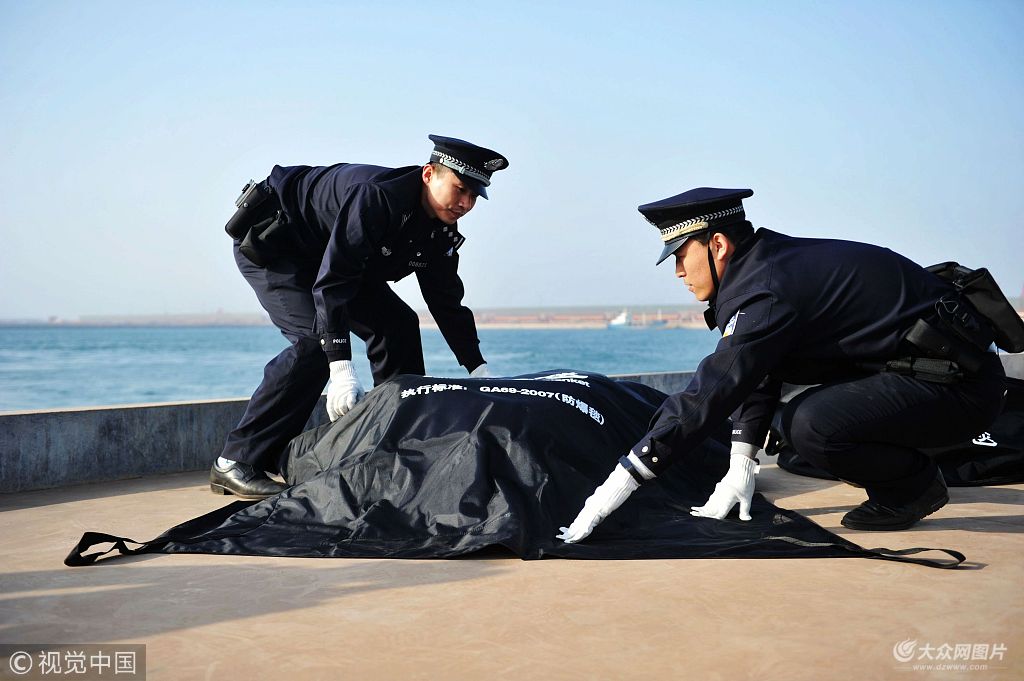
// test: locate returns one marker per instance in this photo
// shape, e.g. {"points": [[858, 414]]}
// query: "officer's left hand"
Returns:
{"points": [[480, 372], [737, 487], [605, 499]]}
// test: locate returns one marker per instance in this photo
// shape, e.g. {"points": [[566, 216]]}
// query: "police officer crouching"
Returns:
{"points": [[318, 246], [861, 322]]}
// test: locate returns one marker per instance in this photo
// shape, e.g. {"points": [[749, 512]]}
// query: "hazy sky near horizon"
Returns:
{"points": [[128, 128]]}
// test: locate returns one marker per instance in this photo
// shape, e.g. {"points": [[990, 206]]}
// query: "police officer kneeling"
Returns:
{"points": [[318, 246], [862, 322]]}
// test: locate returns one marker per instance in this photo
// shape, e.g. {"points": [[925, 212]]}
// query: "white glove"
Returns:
{"points": [[736, 487], [344, 391], [480, 372], [605, 499]]}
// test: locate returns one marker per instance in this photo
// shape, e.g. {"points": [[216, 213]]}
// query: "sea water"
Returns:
{"points": [[48, 367]]}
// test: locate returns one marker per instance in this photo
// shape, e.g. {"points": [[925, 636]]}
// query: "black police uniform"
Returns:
{"points": [[817, 311], [337, 235]]}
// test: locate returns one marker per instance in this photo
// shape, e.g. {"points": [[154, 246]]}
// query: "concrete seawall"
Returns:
{"points": [[56, 448], [60, 447]]}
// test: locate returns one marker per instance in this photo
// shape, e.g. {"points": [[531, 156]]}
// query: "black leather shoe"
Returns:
{"points": [[874, 516], [244, 481]]}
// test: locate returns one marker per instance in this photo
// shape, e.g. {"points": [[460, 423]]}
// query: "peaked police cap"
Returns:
{"points": [[679, 217], [474, 164]]}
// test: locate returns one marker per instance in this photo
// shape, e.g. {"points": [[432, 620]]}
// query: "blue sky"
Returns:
{"points": [[127, 130]]}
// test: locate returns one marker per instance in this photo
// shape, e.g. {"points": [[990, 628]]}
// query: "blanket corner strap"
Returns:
{"points": [[903, 556], [78, 556]]}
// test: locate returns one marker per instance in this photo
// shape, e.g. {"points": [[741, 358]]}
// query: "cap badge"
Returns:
{"points": [[496, 164]]}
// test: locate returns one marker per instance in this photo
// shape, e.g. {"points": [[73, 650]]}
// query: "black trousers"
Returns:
{"points": [[294, 380], [868, 431]]}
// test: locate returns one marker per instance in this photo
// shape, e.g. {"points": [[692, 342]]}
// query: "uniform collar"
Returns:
{"points": [[404, 187], [734, 264]]}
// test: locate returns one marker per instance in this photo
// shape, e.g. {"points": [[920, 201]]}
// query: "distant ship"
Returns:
{"points": [[621, 320], [624, 320]]}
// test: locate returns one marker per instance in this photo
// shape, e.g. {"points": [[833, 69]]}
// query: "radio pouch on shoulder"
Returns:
{"points": [[262, 241], [253, 207], [979, 289]]}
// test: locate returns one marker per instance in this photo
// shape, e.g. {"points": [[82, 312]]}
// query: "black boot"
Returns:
{"points": [[244, 481], [872, 515]]}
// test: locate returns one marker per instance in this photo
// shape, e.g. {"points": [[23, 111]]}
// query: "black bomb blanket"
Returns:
{"points": [[437, 468]]}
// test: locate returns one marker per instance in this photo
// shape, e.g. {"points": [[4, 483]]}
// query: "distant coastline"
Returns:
{"points": [[583, 317]]}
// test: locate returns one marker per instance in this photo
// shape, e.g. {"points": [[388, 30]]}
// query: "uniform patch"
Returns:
{"points": [[731, 326]]}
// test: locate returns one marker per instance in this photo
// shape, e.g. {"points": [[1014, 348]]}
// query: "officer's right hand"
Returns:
{"points": [[737, 487], [344, 390]]}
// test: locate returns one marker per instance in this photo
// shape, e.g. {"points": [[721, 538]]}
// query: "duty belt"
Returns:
{"points": [[936, 355], [926, 369]]}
